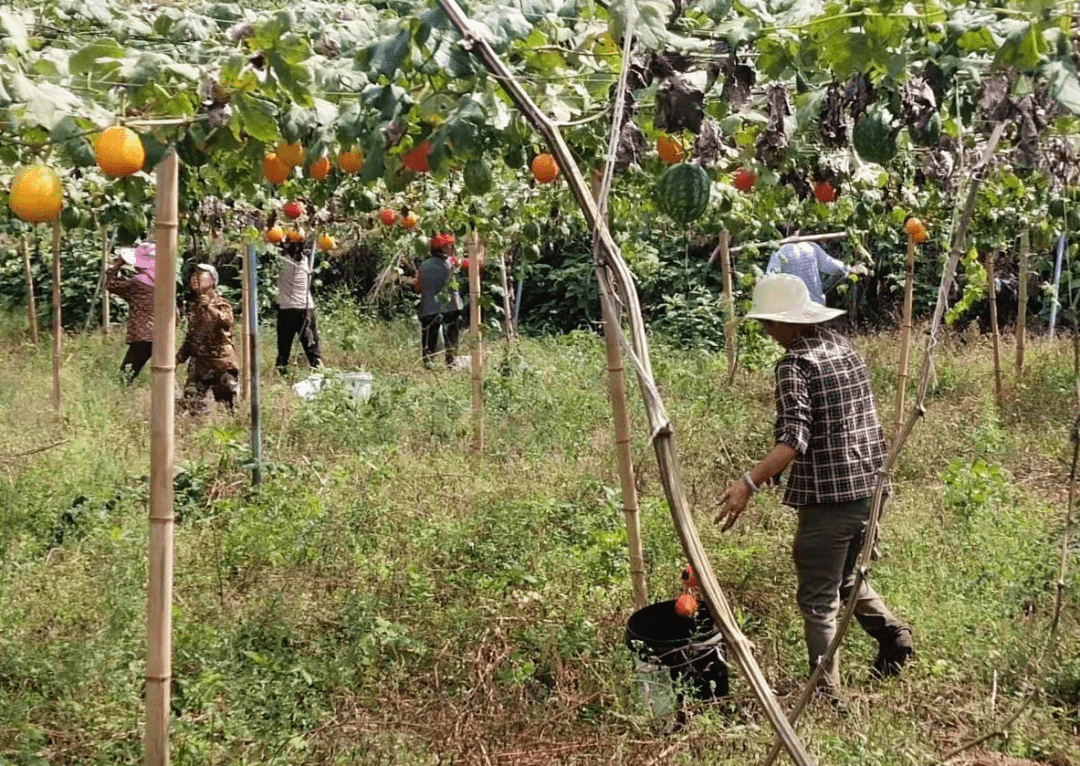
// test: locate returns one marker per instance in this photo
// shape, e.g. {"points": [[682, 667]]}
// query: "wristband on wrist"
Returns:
{"points": [[749, 482]]}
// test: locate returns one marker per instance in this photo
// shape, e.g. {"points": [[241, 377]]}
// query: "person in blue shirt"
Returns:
{"points": [[816, 268]]}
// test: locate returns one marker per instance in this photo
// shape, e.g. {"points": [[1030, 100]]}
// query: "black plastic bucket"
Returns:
{"points": [[690, 647]]}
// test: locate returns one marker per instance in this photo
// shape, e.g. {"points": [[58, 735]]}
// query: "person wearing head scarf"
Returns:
{"points": [[137, 290], [440, 304], [827, 430], [818, 270], [208, 346], [296, 306]]}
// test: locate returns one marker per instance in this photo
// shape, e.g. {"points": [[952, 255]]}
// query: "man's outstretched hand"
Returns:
{"points": [[732, 503]]}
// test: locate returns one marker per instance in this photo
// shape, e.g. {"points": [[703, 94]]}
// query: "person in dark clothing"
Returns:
{"points": [[827, 430], [138, 291], [296, 306], [213, 366], [440, 304]]}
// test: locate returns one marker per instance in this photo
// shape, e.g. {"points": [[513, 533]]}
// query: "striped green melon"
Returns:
{"points": [[682, 193], [874, 136], [477, 177]]}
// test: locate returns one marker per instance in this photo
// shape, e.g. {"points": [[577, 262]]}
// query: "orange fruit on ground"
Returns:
{"points": [[686, 605], [119, 151], [544, 168], [671, 150], [410, 221], [290, 154], [274, 170], [388, 217], [326, 242], [690, 577], [294, 235], [275, 234], [320, 168], [36, 194], [915, 229], [351, 161]]}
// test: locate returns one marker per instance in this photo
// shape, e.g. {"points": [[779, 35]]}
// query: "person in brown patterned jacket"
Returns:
{"points": [[208, 346], [138, 291]]}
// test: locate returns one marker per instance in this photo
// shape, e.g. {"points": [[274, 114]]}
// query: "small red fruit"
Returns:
{"points": [[276, 235], [544, 168], [916, 230], [388, 217], [745, 179], [686, 605], [690, 577], [465, 263], [293, 209], [417, 159], [409, 221], [825, 192]]}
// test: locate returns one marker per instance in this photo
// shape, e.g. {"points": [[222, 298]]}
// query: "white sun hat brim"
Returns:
{"points": [[815, 313]]}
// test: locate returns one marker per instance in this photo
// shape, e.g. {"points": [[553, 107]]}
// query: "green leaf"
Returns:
{"points": [[1022, 47], [385, 57], [650, 25], [257, 116], [13, 31], [298, 123], [70, 138], [1064, 85], [100, 58], [294, 79]]}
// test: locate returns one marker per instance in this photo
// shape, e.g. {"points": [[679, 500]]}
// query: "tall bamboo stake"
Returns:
{"points": [[508, 317], [105, 319], [163, 376], [58, 329], [31, 301], [905, 335], [862, 566], [1022, 300], [476, 251], [995, 335], [252, 309], [730, 324], [620, 412], [637, 350], [245, 347]]}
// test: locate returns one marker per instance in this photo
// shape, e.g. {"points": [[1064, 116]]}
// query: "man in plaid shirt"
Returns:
{"points": [[827, 430]]}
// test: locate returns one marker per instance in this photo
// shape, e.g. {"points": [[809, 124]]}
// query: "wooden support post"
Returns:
{"points": [[57, 323], [730, 325], [905, 336], [252, 310], [105, 318], [162, 379], [995, 335], [1022, 301], [31, 301], [475, 250], [245, 330], [508, 316]]}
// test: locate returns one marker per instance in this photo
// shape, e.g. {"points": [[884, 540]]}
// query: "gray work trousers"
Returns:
{"points": [[826, 549]]}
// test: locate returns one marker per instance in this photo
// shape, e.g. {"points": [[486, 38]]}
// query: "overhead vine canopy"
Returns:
{"points": [[804, 90]]}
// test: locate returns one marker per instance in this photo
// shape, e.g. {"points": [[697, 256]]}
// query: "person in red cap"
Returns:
{"points": [[440, 304]]}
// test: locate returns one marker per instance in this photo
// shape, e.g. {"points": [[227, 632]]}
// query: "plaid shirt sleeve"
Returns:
{"points": [[794, 406]]}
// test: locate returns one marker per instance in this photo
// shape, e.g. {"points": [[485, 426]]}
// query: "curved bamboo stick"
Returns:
{"points": [[862, 567], [612, 267]]}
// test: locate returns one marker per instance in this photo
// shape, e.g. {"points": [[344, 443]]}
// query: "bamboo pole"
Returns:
{"points": [[58, 329], [508, 317], [31, 301], [862, 566], [245, 330], [730, 324], [163, 377], [620, 412], [637, 350], [475, 250], [995, 335], [905, 336], [1022, 300], [105, 318], [252, 309]]}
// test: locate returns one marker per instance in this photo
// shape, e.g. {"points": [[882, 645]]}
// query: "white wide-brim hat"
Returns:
{"points": [[784, 298]]}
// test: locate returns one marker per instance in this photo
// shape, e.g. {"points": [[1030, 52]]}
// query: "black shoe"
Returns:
{"points": [[893, 655]]}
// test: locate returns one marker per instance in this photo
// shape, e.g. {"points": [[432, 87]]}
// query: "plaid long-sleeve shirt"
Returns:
{"points": [[825, 411]]}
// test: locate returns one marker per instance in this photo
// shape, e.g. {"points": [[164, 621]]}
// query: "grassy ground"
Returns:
{"points": [[391, 597]]}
